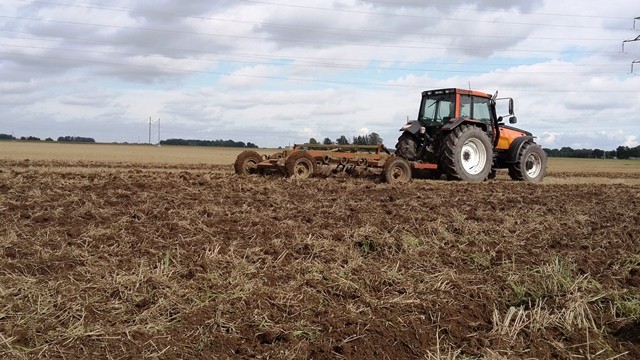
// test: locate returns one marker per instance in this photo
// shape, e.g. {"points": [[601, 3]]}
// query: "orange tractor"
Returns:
{"points": [[457, 134]]}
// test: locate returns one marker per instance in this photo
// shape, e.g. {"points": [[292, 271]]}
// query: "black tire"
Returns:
{"points": [[246, 163], [407, 146], [492, 174], [467, 154], [531, 165], [300, 165], [396, 171]]}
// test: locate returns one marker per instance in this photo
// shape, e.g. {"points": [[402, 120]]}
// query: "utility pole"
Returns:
{"points": [[158, 131]]}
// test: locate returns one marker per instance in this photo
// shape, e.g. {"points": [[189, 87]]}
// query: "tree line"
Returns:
{"points": [[621, 152], [61, 138], [370, 139], [216, 143], [210, 143]]}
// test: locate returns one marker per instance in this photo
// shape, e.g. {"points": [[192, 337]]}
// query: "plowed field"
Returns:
{"points": [[115, 260]]}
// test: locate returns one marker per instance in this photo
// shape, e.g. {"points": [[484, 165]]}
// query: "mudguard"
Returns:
{"points": [[412, 127], [514, 148]]}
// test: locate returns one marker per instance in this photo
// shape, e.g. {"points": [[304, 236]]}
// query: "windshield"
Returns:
{"points": [[437, 109]]}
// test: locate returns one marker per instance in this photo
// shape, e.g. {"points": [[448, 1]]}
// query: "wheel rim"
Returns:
{"points": [[398, 173], [473, 156], [251, 166], [302, 170], [533, 165]]}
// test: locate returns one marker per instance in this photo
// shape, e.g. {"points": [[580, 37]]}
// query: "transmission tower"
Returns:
{"points": [[151, 124]]}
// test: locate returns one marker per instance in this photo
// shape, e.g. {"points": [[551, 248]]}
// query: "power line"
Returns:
{"points": [[297, 41], [317, 61], [301, 61], [308, 28], [430, 4], [423, 17], [303, 65], [331, 82]]}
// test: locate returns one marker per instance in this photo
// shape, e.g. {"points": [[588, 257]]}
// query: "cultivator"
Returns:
{"points": [[304, 160]]}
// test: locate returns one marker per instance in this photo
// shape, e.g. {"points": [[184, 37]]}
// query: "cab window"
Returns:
{"points": [[465, 106], [438, 109], [481, 109]]}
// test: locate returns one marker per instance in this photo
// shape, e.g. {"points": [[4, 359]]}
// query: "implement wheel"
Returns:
{"points": [[531, 165], [396, 171], [300, 165], [247, 163]]}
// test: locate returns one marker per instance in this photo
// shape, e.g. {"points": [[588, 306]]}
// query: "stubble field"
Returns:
{"points": [[116, 256]]}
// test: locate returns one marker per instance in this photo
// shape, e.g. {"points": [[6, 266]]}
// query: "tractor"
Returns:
{"points": [[460, 131]]}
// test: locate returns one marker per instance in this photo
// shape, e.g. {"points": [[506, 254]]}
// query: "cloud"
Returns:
{"points": [[225, 69]]}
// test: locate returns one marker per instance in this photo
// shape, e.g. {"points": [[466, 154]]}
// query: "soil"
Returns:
{"points": [[105, 260]]}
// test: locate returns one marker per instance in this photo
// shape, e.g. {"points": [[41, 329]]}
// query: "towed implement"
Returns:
{"points": [[458, 134]]}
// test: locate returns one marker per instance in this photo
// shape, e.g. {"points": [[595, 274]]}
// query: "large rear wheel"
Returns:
{"points": [[531, 164], [247, 163], [396, 170], [300, 165], [467, 154]]}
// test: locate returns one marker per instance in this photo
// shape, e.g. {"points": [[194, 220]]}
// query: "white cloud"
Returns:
{"points": [[274, 75]]}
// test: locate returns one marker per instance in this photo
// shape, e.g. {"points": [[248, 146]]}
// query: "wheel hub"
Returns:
{"points": [[473, 156], [533, 165]]}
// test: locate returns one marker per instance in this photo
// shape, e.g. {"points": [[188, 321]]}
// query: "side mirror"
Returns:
{"points": [[513, 120], [510, 106], [500, 119]]}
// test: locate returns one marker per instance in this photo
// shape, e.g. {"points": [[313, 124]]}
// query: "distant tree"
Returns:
{"points": [[210, 143], [370, 139], [610, 154], [33, 138], [622, 152], [359, 140], [597, 153], [313, 141], [76, 139], [374, 139], [7, 137], [23, 138], [342, 140], [327, 141], [48, 139]]}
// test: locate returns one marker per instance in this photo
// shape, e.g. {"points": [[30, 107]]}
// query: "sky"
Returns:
{"points": [[278, 72]]}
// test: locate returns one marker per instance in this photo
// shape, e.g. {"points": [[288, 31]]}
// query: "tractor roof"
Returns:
{"points": [[455, 91]]}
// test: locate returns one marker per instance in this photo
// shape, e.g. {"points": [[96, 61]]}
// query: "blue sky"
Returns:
{"points": [[277, 72]]}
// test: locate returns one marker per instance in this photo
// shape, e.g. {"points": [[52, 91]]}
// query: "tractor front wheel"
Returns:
{"points": [[247, 163], [396, 170], [467, 154], [300, 165], [531, 164]]}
